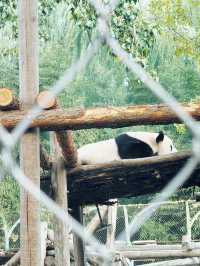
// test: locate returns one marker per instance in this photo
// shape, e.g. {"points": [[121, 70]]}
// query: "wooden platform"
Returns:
{"points": [[99, 183]]}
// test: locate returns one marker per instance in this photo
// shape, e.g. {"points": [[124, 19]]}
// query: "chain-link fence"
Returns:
{"points": [[166, 226], [140, 226]]}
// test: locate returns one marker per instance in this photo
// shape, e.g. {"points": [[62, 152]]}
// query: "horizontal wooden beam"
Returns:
{"points": [[110, 117], [194, 261], [126, 178], [155, 254]]}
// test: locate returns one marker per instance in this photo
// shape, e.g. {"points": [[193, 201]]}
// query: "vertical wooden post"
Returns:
{"points": [[112, 219], [127, 231], [77, 213], [61, 233], [29, 150], [69, 152]]}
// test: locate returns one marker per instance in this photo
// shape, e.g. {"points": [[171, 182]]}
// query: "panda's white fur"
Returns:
{"points": [[161, 148], [106, 151]]}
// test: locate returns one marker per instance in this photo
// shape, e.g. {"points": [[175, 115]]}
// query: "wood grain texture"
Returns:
{"points": [[8, 101], [127, 178], [110, 117], [45, 159], [68, 148], [29, 147], [46, 100], [61, 233]]}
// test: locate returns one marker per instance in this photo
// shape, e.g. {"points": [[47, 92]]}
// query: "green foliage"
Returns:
{"points": [[128, 25], [9, 205], [9, 13], [9, 200], [179, 20]]}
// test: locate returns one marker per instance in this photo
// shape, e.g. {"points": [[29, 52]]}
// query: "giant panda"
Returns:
{"points": [[130, 145]]}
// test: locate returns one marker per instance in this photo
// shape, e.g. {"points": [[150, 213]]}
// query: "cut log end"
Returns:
{"points": [[6, 97], [46, 100]]}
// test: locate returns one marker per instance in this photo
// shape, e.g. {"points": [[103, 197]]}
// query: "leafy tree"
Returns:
{"points": [[127, 25], [179, 22], [9, 205]]}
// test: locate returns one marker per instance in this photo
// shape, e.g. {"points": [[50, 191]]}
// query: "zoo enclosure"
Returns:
{"points": [[9, 139]]}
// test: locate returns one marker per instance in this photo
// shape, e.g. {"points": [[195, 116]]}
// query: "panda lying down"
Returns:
{"points": [[130, 145]]}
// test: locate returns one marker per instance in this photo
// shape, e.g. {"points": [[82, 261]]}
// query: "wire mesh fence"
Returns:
{"points": [[143, 218], [166, 226]]}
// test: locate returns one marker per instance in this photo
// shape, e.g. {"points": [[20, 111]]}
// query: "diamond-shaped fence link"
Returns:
{"points": [[137, 222], [166, 226]]}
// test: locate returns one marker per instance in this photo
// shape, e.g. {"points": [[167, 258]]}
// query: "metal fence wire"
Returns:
{"points": [[166, 225], [137, 222]]}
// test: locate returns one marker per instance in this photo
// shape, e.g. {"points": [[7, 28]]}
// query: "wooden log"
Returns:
{"points": [[64, 138], [69, 152], [61, 233], [97, 184], [68, 149], [158, 254], [7, 100], [108, 117], [179, 262], [155, 247], [46, 100], [45, 159], [112, 220], [29, 150], [78, 243]]}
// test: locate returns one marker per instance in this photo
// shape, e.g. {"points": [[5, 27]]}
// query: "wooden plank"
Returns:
{"points": [[29, 150], [179, 262], [158, 254], [61, 235], [101, 117], [99, 183]]}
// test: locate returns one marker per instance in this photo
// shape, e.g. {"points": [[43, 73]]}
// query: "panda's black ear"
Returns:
{"points": [[160, 137]]}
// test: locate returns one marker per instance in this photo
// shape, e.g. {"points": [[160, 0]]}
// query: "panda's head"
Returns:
{"points": [[165, 144]]}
